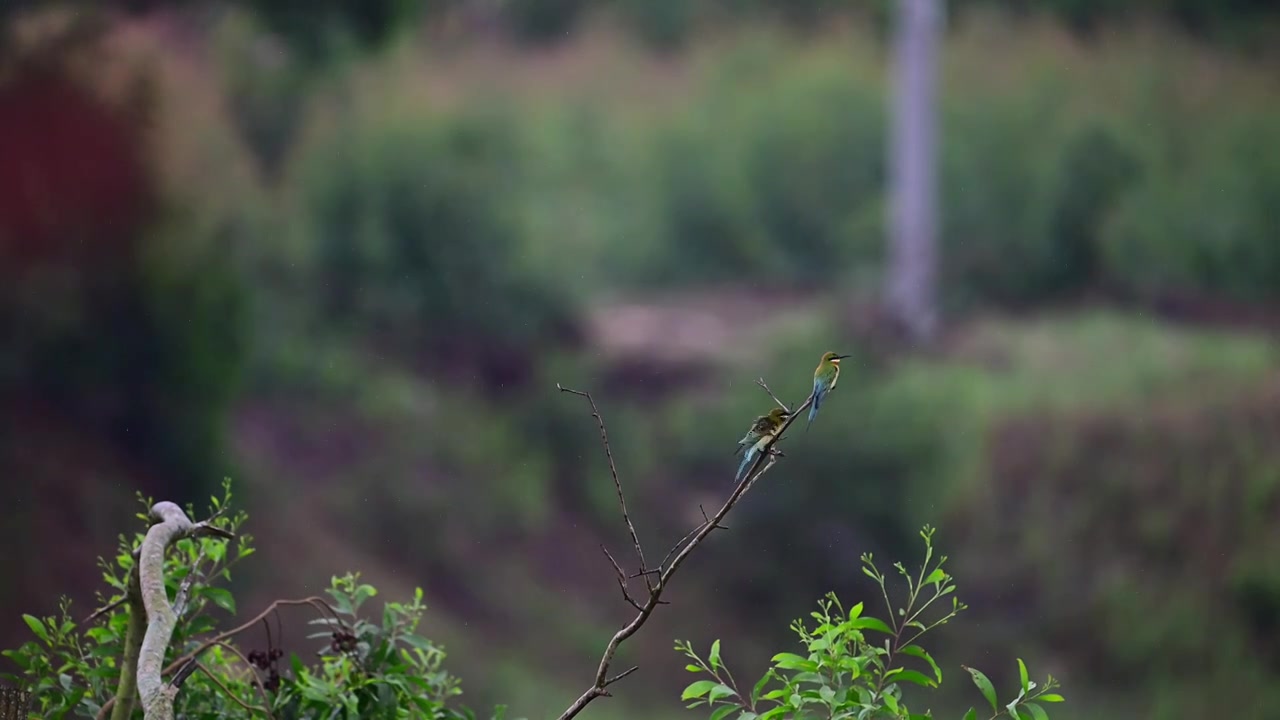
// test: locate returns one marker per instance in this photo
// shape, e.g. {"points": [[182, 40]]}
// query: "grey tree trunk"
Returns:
{"points": [[913, 253]]}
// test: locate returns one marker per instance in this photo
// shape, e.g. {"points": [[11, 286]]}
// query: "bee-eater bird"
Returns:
{"points": [[761, 430], [825, 378]]}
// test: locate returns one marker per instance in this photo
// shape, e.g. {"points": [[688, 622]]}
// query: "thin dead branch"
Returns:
{"points": [[183, 596], [677, 555], [105, 609], [617, 484], [781, 404]]}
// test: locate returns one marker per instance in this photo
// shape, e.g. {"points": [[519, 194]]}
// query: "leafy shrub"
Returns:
{"points": [[368, 669], [844, 675], [412, 226], [779, 175], [993, 221], [1207, 226], [1094, 169], [1148, 489]]}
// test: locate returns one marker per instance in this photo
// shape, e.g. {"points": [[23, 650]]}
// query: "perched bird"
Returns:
{"points": [[761, 430], [825, 378]]}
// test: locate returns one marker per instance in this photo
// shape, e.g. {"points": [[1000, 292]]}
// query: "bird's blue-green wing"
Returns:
{"points": [[746, 460]]}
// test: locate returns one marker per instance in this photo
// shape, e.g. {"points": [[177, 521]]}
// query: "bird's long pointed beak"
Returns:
{"points": [[842, 357]]}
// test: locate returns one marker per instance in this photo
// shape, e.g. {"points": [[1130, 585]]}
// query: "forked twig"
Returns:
{"points": [[781, 404], [764, 461], [617, 484]]}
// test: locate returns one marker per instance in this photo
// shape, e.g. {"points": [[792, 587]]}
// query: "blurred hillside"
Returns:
{"points": [[345, 256]]}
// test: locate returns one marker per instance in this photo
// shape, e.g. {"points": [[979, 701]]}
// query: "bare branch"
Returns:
{"points": [[764, 461], [781, 404], [613, 470], [622, 579], [706, 519], [183, 595], [183, 673], [621, 675], [106, 609], [680, 543]]}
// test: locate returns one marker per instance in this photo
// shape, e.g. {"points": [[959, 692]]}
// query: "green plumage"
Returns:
{"points": [[825, 377]]}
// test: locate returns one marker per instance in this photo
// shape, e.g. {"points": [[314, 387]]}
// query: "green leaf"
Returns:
{"points": [[715, 654], [791, 661], [719, 691], [871, 623], [910, 676], [724, 712], [890, 702], [693, 668], [826, 693], [698, 689], [755, 691], [1051, 698], [216, 550], [936, 576], [918, 652], [984, 686], [855, 611], [221, 597], [971, 715], [36, 626], [1037, 712], [1022, 674]]}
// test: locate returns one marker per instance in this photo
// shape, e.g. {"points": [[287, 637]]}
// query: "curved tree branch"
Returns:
{"points": [[171, 525]]}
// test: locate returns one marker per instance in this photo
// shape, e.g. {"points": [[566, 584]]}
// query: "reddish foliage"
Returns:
{"points": [[74, 183]]}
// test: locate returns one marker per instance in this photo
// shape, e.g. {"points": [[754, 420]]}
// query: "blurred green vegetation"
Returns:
{"points": [[1135, 169], [368, 275]]}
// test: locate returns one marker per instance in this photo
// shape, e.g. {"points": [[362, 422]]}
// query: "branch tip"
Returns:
{"points": [[621, 675]]}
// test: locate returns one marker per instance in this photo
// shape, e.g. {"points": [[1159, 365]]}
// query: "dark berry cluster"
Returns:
{"points": [[266, 660], [263, 660], [343, 642]]}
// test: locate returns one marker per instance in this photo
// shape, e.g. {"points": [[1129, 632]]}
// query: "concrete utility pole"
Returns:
{"points": [[913, 245]]}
